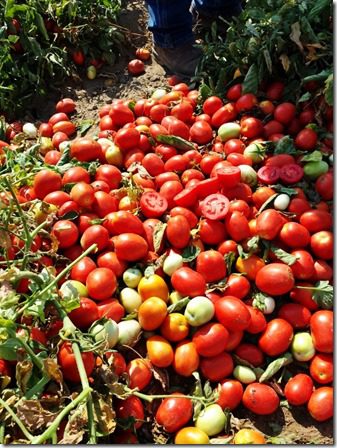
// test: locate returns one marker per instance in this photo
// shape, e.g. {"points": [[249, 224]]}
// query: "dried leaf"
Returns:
{"points": [[160, 436], [105, 416], [76, 426], [221, 440], [4, 381], [158, 235], [285, 61], [53, 370], [296, 34], [33, 415], [275, 366], [162, 376], [23, 373]]}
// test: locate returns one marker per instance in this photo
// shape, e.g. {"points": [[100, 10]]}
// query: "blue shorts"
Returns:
{"points": [[170, 21]]}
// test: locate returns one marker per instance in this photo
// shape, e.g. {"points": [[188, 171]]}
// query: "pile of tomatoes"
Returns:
{"points": [[211, 221]]}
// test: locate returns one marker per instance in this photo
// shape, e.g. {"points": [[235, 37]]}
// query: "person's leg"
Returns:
{"points": [[216, 8], [170, 22]]}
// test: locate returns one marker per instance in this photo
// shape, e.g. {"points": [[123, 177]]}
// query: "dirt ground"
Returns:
{"points": [[286, 426]]}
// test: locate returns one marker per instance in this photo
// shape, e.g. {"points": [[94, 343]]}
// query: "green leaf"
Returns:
{"points": [[84, 126], [230, 259], [178, 306], [284, 256], [275, 366], [190, 253], [253, 243], [282, 189], [251, 82], [328, 90], [177, 142], [305, 97], [8, 349], [205, 91], [285, 146], [268, 60], [321, 76], [315, 156], [323, 294]]}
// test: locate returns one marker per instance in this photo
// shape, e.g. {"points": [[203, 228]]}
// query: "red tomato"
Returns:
{"points": [[237, 285], [218, 367], [234, 92], [101, 283], [294, 235], [237, 226], [276, 338], [123, 221], [111, 309], [275, 279], [246, 102], [296, 314], [201, 132], [186, 358], [257, 322], [275, 90], [320, 405], [136, 67], [291, 173], [324, 186], [215, 206], [285, 113], [190, 216], [153, 204], [321, 368], [210, 339], [178, 231], [188, 282], [66, 105], [212, 232], [46, 181], [316, 220], [299, 389], [212, 104], [268, 174], [251, 127], [232, 313], [250, 353], [229, 176], [306, 139], [109, 259], [230, 394], [223, 115], [130, 247], [173, 413], [321, 328], [75, 174], [269, 224], [321, 244], [95, 234], [234, 145], [85, 315], [303, 268], [260, 399], [131, 407], [139, 372], [67, 362], [65, 232], [211, 265], [82, 269], [85, 149]]}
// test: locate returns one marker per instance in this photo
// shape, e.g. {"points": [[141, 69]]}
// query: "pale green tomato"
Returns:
{"points": [[130, 299], [312, 170], [128, 332], [131, 277], [114, 155], [172, 262], [229, 130], [45, 145], [199, 310], [255, 152], [302, 347], [248, 175], [211, 420], [107, 331], [175, 297], [70, 287], [244, 374], [91, 72]]}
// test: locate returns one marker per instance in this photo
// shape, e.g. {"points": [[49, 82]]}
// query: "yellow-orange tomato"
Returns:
{"points": [[252, 226], [153, 286], [186, 358], [152, 313], [191, 436], [250, 266], [261, 195], [160, 351], [128, 204], [249, 437], [175, 327]]}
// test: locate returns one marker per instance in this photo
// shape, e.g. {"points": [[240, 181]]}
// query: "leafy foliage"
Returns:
{"points": [[272, 39], [37, 39]]}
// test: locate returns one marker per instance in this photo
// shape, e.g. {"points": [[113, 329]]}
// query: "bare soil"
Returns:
{"points": [[286, 426]]}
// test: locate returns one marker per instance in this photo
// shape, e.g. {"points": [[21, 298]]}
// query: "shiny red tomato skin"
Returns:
{"points": [[299, 389], [275, 279], [210, 339], [321, 368], [257, 322], [67, 362], [216, 368], [178, 231], [111, 309], [296, 314], [131, 407], [86, 314], [320, 405], [251, 353], [232, 313], [188, 282], [211, 265], [174, 413], [276, 338], [101, 283], [260, 399], [230, 394], [321, 328]]}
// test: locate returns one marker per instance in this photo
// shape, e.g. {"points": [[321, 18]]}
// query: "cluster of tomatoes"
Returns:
{"points": [[208, 242]]}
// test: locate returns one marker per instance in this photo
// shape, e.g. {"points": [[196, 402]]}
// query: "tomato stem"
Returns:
{"points": [[37, 361], [150, 398], [38, 440], [16, 419]]}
